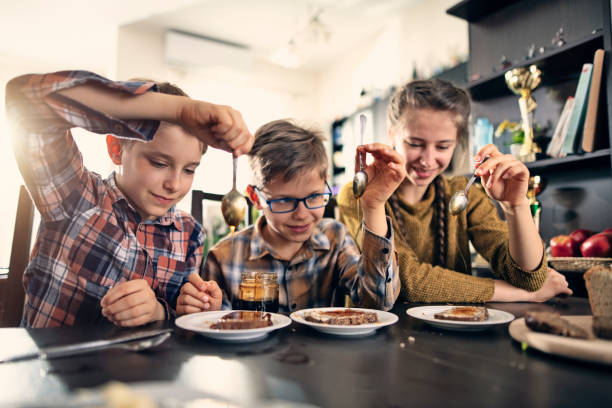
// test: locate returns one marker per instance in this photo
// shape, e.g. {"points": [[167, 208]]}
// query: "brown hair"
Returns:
{"points": [[439, 95], [283, 148], [435, 94], [164, 88]]}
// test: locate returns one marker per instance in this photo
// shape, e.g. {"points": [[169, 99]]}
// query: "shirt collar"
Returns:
{"points": [[120, 201], [318, 241]]}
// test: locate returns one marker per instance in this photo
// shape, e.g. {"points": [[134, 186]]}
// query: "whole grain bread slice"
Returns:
{"points": [[598, 282]]}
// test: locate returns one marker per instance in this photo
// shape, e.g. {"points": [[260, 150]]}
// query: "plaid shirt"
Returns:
{"points": [[328, 261], [90, 237]]}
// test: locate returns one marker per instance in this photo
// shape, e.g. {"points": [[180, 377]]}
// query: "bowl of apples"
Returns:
{"points": [[580, 250]]}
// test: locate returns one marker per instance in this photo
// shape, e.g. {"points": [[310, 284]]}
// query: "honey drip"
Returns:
{"points": [[359, 216], [232, 229], [465, 264]]}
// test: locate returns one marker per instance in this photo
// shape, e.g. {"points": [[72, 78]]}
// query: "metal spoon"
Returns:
{"points": [[144, 344], [138, 341], [360, 181], [459, 200], [233, 204]]}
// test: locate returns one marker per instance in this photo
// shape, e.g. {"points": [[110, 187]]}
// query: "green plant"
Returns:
{"points": [[518, 134]]}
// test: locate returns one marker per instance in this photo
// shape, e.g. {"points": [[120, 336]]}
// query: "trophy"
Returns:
{"points": [[522, 81]]}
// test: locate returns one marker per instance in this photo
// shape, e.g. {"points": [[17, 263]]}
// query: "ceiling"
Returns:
{"points": [[317, 30]]}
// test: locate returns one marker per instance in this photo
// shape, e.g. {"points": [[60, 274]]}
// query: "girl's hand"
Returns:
{"points": [[385, 174], [198, 295], [132, 303], [555, 284], [218, 126], [504, 178]]}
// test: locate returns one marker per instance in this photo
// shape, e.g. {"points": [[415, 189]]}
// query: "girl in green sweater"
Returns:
{"points": [[426, 122]]}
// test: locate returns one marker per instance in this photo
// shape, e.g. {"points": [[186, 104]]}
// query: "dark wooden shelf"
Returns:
{"points": [[473, 10], [557, 65], [574, 161]]}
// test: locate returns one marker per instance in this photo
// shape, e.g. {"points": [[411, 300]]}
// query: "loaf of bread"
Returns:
{"points": [[344, 317], [464, 313], [598, 282]]}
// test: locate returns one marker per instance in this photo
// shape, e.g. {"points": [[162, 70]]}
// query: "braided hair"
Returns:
{"points": [[440, 220], [438, 95]]}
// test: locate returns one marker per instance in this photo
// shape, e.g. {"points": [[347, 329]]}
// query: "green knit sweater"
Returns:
{"points": [[479, 223]]}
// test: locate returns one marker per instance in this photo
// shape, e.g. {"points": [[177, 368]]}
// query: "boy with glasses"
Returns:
{"points": [[311, 256]]}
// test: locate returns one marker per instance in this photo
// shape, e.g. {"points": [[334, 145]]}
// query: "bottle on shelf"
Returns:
{"points": [[535, 187]]}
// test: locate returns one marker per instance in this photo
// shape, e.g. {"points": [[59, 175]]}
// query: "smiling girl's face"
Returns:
{"points": [[426, 139]]}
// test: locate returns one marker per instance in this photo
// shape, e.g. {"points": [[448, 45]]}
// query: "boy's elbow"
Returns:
{"points": [[14, 87]]}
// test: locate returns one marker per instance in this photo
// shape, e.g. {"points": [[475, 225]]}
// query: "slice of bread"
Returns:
{"points": [[598, 282], [553, 323], [464, 314], [243, 319], [345, 317]]}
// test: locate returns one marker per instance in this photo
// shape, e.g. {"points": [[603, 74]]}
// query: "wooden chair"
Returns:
{"points": [[12, 293]]}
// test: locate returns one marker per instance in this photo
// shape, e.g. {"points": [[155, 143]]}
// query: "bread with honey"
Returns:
{"points": [[464, 314], [343, 317], [243, 319]]}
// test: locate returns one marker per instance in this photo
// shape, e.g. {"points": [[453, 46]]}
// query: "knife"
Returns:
{"points": [[47, 353]]}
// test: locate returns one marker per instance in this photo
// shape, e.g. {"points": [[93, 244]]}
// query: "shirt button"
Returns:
{"points": [[385, 250], [388, 280]]}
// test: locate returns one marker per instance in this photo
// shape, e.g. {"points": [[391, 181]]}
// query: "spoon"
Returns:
{"points": [[360, 181], [138, 341], [459, 200], [145, 344], [233, 204]]}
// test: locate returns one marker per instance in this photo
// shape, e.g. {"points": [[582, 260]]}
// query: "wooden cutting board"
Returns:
{"points": [[593, 349]]}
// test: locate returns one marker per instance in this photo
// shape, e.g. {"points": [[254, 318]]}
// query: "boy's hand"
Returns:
{"points": [[216, 125], [504, 178], [385, 174], [132, 303], [198, 295]]}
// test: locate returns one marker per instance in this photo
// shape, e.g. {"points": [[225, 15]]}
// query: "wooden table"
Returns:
{"points": [[439, 368]]}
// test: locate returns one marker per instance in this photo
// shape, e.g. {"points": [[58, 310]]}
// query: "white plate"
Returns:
{"points": [[384, 319], [200, 323], [592, 349], [426, 313]]}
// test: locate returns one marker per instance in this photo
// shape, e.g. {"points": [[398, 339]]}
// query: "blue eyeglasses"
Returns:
{"points": [[286, 205]]}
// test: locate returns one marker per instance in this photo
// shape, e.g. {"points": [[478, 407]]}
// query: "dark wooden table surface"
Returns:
{"points": [[298, 364]]}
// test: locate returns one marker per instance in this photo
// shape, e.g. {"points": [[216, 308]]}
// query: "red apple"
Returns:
{"points": [[607, 231], [580, 235], [598, 245], [562, 246]]}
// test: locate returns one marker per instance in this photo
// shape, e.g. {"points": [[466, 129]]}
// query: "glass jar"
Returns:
{"points": [[258, 291]]}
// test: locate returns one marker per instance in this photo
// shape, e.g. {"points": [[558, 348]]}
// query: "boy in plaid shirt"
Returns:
{"points": [[311, 256], [117, 248]]}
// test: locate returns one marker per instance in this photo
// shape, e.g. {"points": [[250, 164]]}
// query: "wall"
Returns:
{"points": [[263, 94], [425, 37]]}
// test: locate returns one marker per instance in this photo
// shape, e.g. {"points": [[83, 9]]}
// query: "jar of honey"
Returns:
{"points": [[258, 291]]}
